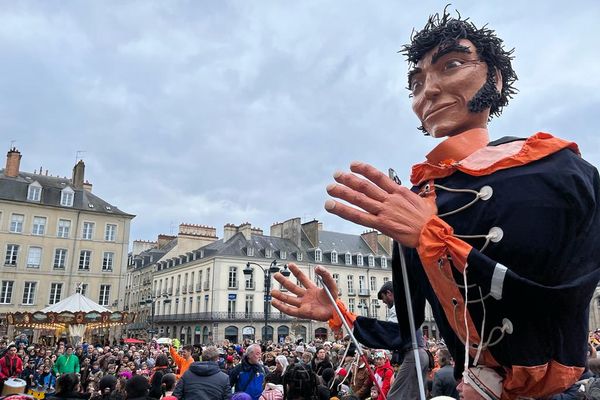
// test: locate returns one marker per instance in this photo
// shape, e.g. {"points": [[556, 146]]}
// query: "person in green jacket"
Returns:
{"points": [[66, 363]]}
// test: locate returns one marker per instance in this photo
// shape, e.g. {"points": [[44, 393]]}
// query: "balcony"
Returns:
{"points": [[170, 291], [191, 288], [177, 291], [364, 292], [225, 316], [184, 290], [198, 287], [206, 285]]}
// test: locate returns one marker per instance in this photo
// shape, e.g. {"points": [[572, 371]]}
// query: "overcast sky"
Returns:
{"points": [[215, 112]]}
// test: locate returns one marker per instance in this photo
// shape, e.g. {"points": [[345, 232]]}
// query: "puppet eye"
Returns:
{"points": [[415, 85], [453, 64]]}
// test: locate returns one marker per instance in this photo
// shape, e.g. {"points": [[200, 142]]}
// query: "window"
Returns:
{"points": [[34, 193], [385, 279], [351, 305], [373, 284], [348, 259], [299, 256], [88, 231], [336, 278], [371, 260], [249, 305], [104, 295], [362, 284], [359, 260], [83, 287], [34, 257], [84, 260], [250, 281], [60, 258], [250, 251], [374, 308], [64, 228], [350, 284], [232, 281], [283, 255], [334, 258], [231, 308], [318, 255], [268, 253], [107, 261], [16, 223], [383, 262], [66, 197], [12, 251], [29, 293], [6, 292], [55, 293], [110, 233], [39, 226]]}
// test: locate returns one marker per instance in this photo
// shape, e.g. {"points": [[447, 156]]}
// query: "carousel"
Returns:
{"points": [[77, 316]]}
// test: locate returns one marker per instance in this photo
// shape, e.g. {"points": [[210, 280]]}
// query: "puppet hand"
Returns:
{"points": [[388, 207], [306, 301]]}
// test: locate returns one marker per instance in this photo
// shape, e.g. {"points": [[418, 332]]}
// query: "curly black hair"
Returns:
{"points": [[445, 31]]}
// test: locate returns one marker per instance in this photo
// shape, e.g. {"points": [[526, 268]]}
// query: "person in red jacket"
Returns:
{"points": [[383, 371], [11, 365]]}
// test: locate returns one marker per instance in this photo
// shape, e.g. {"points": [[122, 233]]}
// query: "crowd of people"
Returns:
{"points": [[293, 370], [289, 370]]}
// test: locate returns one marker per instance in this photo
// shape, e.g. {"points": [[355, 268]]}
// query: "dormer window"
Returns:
{"points": [[66, 197], [334, 258], [283, 254], [359, 260], [348, 259], [268, 253], [383, 262], [318, 255], [371, 260], [250, 251], [34, 193]]}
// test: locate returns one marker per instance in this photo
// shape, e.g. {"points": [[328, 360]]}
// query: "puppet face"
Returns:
{"points": [[443, 83], [466, 392]]}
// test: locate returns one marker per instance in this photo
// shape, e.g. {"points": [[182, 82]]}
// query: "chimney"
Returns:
{"points": [[370, 238], [78, 174], [290, 229], [87, 187], [385, 242], [257, 231], [229, 230], [13, 162], [311, 230], [163, 240], [246, 230]]}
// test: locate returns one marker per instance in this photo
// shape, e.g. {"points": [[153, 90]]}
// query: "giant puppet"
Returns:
{"points": [[501, 237]]}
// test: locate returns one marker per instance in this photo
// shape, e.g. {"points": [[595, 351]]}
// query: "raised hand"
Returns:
{"points": [[384, 205], [308, 301]]}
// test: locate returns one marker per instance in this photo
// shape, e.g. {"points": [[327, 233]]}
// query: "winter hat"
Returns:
{"points": [[485, 381], [300, 349], [342, 372]]}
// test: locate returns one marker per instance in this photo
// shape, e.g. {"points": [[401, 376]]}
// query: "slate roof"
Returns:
{"points": [[15, 189]]}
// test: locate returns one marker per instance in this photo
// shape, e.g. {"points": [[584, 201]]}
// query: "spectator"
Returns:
{"points": [[67, 388], [249, 375], [67, 363], [168, 382], [443, 380], [276, 376], [299, 383], [383, 371], [137, 388], [360, 381], [321, 361], [160, 369], [182, 361], [11, 365], [106, 385], [205, 380]]}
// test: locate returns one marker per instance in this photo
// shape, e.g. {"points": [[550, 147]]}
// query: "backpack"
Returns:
{"points": [[431, 364]]}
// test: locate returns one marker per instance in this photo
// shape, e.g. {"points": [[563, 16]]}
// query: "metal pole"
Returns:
{"points": [[411, 322], [267, 291]]}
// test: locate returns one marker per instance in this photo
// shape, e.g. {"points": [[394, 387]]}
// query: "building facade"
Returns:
{"points": [[57, 236], [204, 294]]}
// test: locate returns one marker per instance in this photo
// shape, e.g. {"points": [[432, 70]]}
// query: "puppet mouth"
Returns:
{"points": [[436, 109]]}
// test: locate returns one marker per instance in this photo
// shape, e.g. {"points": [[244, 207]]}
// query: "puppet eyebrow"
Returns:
{"points": [[412, 73], [449, 49]]}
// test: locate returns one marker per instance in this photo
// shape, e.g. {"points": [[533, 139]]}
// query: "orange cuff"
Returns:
{"points": [[335, 323], [437, 240]]}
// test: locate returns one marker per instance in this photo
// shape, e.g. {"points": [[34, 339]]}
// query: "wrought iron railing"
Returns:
{"points": [[223, 316]]}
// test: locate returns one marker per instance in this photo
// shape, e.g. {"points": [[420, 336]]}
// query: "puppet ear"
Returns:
{"points": [[498, 78]]}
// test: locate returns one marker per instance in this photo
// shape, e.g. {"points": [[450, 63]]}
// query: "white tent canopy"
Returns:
{"points": [[75, 303]]}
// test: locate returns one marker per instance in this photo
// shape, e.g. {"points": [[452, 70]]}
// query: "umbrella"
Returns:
{"points": [[133, 341]]}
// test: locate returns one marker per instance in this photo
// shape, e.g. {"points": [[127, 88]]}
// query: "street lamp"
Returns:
{"points": [[152, 300], [273, 268]]}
